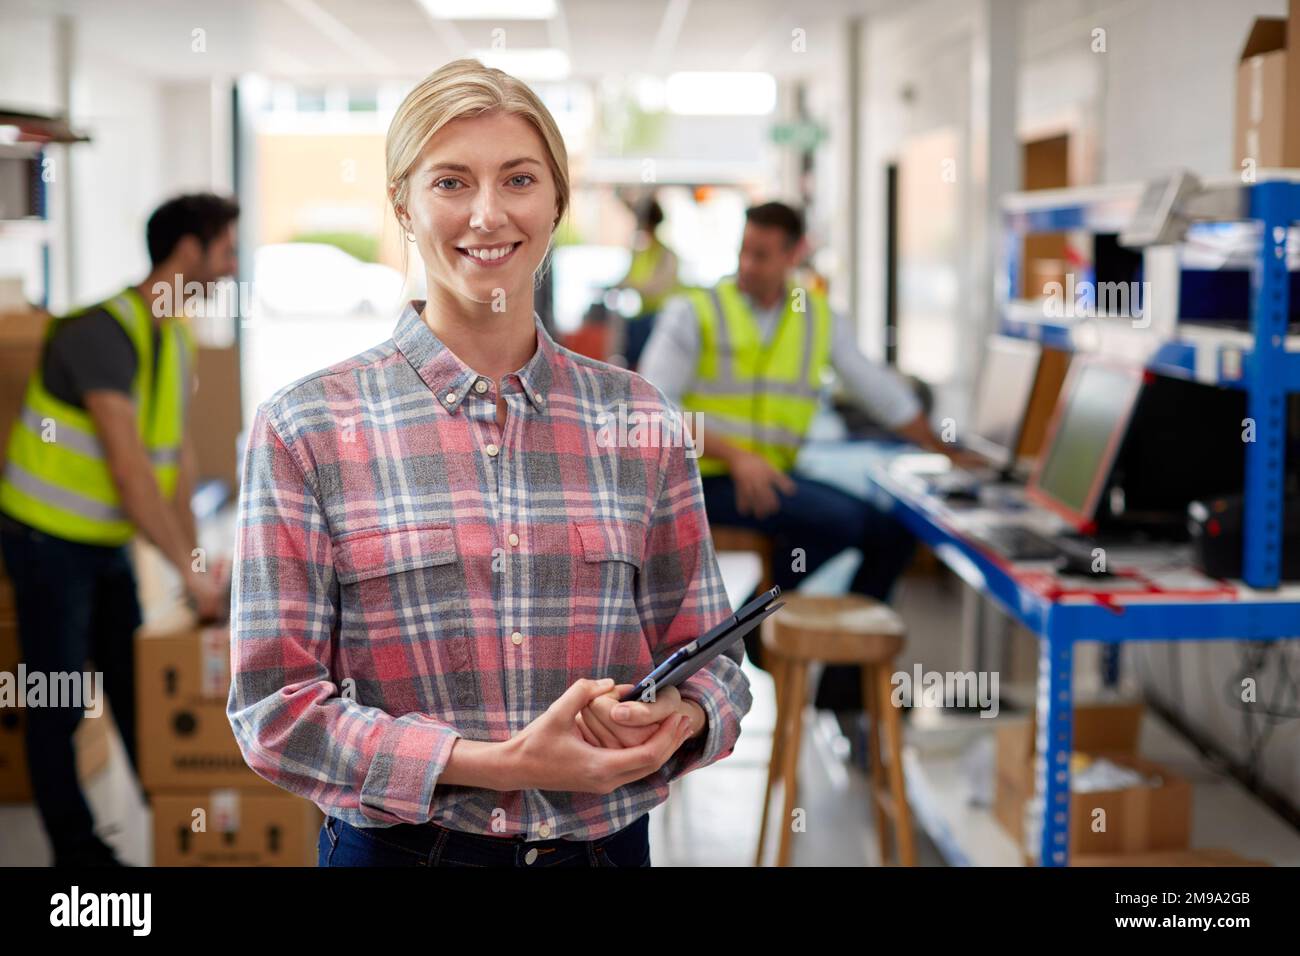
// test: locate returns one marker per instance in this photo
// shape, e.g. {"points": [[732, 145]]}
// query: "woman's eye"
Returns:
{"points": [[447, 183], [528, 179]]}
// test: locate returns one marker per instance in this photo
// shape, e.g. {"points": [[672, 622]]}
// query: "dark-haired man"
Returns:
{"points": [[99, 452], [752, 355]]}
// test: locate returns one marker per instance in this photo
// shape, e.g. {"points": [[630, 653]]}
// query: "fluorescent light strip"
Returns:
{"points": [[489, 9]]}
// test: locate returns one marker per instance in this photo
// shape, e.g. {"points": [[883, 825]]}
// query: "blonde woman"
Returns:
{"points": [[444, 575]]}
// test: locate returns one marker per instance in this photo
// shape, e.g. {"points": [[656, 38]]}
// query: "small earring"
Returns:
{"points": [[410, 236]]}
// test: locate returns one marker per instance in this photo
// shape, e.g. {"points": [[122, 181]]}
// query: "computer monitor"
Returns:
{"points": [[1001, 399], [1084, 437]]}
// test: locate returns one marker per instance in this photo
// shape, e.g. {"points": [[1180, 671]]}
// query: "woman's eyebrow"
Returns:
{"points": [[462, 168]]}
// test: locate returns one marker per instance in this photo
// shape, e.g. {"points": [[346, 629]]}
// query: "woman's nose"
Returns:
{"points": [[488, 213]]}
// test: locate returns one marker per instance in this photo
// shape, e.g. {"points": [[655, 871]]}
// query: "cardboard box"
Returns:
{"points": [[23, 327], [234, 828], [182, 683], [1267, 124], [1111, 727], [216, 416], [1138, 819]]}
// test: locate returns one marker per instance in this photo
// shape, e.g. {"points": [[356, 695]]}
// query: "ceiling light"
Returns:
{"points": [[721, 94], [490, 9]]}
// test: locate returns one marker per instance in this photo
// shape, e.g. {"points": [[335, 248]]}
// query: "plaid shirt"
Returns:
{"points": [[408, 572]]}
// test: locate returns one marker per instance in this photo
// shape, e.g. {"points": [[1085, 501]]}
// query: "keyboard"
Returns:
{"points": [[962, 480], [1019, 543]]}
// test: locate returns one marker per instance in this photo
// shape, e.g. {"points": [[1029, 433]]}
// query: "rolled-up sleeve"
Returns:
{"points": [[292, 725], [681, 596]]}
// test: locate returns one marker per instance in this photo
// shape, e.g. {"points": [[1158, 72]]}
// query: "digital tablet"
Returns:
{"points": [[689, 658]]}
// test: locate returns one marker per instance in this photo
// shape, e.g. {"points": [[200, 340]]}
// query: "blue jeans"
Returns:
{"points": [[74, 601], [408, 844], [823, 521]]}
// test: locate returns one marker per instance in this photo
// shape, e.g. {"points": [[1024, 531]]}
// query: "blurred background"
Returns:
{"points": [[897, 126]]}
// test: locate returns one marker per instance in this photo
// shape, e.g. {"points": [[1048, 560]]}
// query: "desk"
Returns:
{"points": [[1190, 607]]}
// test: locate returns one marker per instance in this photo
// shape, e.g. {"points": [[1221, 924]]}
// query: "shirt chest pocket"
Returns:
{"points": [[607, 638], [609, 558], [405, 617], [603, 541]]}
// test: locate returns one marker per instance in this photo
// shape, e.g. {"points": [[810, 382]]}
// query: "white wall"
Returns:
{"points": [[149, 139]]}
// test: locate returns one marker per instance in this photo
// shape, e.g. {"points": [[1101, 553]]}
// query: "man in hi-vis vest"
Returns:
{"points": [[100, 451], [754, 355]]}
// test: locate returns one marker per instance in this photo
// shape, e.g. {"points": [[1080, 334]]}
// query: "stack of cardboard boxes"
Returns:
{"points": [[209, 808]]}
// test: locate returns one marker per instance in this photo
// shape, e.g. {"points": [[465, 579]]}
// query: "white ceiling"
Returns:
{"points": [[376, 38]]}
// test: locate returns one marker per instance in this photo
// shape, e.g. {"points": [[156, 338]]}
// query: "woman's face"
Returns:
{"points": [[481, 202]]}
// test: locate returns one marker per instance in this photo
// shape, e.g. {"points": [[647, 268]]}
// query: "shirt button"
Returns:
{"points": [[480, 386], [541, 399], [451, 397], [531, 856], [514, 539], [492, 451], [517, 638], [544, 830]]}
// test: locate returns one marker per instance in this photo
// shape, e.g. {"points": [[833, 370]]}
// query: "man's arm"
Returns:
{"points": [[884, 394], [114, 415], [186, 476]]}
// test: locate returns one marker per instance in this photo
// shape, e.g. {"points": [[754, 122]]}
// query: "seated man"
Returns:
{"points": [[753, 355]]}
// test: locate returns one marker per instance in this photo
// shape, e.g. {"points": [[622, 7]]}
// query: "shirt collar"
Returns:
{"points": [[450, 379]]}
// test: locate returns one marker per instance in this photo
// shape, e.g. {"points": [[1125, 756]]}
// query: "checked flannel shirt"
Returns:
{"points": [[408, 572]]}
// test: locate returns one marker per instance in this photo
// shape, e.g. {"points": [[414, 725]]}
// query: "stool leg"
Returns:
{"points": [[893, 724], [778, 670], [870, 694], [796, 680]]}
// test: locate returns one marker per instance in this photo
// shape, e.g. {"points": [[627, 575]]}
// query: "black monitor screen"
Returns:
{"points": [[1001, 398], [1098, 400]]}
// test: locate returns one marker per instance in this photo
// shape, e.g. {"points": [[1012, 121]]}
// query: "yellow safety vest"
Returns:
{"points": [[644, 264], [56, 478], [762, 397]]}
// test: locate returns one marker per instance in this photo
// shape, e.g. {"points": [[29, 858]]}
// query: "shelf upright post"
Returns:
{"points": [[1054, 743], [1273, 206], [1012, 252]]}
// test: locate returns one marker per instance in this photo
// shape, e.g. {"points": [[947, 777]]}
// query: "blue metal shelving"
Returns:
{"points": [[1060, 623], [1258, 362], [1264, 367]]}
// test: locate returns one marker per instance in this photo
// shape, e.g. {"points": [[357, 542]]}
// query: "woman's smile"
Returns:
{"points": [[489, 257]]}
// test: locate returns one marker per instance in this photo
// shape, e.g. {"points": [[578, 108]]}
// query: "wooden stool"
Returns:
{"points": [[728, 538], [839, 629]]}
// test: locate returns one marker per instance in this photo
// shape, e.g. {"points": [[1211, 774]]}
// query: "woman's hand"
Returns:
{"points": [[551, 753], [606, 722]]}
